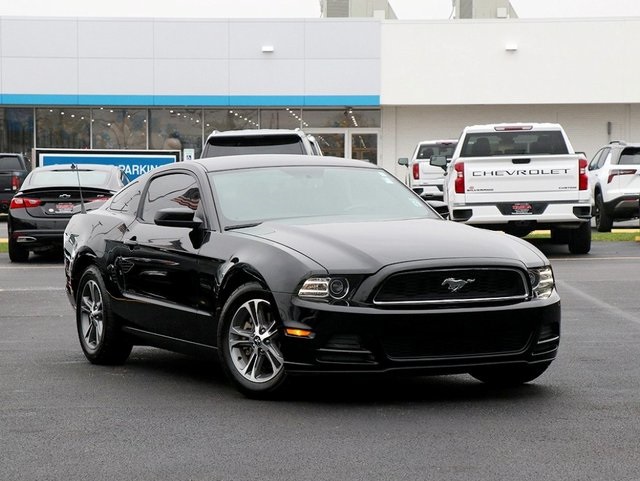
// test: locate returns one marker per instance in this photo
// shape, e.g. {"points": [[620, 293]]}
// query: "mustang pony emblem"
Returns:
{"points": [[455, 285]]}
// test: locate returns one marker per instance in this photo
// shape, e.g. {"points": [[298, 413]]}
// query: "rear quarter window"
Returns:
{"points": [[630, 156]]}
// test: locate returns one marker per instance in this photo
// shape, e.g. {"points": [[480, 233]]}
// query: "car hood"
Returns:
{"points": [[369, 246]]}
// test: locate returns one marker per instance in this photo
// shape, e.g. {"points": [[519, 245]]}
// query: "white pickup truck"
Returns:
{"points": [[519, 178], [425, 179]]}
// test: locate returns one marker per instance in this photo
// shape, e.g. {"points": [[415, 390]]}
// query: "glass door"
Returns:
{"points": [[359, 144]]}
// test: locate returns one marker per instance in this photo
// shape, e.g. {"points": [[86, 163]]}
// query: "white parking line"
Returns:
{"points": [[610, 308], [31, 289]]}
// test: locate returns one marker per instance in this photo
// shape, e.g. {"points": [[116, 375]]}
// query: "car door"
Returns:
{"points": [[157, 265]]}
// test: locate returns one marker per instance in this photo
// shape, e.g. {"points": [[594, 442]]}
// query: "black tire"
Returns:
{"points": [[580, 240], [604, 221], [248, 342], [100, 336], [17, 253], [509, 375]]}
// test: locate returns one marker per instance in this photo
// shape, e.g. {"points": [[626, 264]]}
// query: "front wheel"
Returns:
{"points": [[100, 337], [509, 375], [249, 342]]}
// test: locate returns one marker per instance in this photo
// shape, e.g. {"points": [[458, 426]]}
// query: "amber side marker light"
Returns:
{"points": [[298, 332]]}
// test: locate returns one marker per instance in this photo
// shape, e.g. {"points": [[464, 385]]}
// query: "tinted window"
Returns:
{"points": [[254, 144], [171, 190], [314, 193], [487, 144], [10, 162], [630, 156], [593, 165], [127, 199], [86, 178], [428, 151]]}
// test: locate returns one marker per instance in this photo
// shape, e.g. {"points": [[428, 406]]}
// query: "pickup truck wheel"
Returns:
{"points": [[509, 375], [604, 222], [580, 240], [17, 253]]}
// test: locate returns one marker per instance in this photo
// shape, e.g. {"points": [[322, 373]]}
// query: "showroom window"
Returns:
{"points": [[176, 129], [114, 128], [230, 119], [289, 118], [16, 130], [63, 128], [341, 118]]}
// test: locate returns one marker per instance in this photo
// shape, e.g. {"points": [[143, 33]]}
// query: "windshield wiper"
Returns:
{"points": [[242, 226]]}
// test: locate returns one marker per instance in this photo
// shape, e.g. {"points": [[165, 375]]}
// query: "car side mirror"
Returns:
{"points": [[439, 161], [177, 217], [403, 161]]}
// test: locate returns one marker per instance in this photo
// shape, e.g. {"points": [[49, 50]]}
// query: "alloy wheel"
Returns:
{"points": [[253, 342], [91, 315]]}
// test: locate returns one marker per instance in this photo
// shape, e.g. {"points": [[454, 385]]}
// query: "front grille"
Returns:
{"points": [[443, 286], [458, 335]]}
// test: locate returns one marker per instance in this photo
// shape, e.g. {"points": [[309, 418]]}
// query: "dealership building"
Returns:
{"points": [[368, 87]]}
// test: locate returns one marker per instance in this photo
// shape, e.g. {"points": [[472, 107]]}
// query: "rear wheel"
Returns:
{"points": [[249, 342], [101, 339], [580, 240], [509, 375], [604, 221], [17, 253]]}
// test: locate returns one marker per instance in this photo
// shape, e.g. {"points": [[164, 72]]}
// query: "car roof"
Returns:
{"points": [[213, 164], [534, 126], [435, 142], [255, 132], [104, 167]]}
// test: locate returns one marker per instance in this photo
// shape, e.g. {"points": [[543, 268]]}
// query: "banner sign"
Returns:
{"points": [[133, 162]]}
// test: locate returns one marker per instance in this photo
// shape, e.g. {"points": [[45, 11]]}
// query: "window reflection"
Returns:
{"points": [[16, 130], [175, 129], [342, 118], [119, 128], [230, 119], [63, 128], [289, 118]]}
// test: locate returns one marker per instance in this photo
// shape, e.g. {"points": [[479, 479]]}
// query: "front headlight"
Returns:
{"points": [[324, 288], [542, 282]]}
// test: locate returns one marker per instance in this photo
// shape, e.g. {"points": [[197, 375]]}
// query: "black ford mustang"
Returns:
{"points": [[290, 264]]}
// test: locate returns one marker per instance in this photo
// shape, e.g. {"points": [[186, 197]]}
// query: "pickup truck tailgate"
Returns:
{"points": [[536, 177]]}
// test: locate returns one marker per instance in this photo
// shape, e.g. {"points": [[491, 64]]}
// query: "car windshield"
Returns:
{"points": [[52, 178], [251, 196], [10, 162], [430, 150]]}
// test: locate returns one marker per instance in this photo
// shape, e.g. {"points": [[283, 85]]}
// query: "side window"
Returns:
{"points": [[170, 190], [593, 165], [606, 155], [127, 199]]}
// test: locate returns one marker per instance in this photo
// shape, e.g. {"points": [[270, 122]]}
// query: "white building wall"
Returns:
{"points": [[465, 62], [174, 57]]}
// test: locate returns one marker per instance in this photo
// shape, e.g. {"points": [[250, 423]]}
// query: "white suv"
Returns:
{"points": [[614, 178], [260, 141]]}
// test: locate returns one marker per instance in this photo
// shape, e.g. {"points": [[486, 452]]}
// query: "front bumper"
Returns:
{"points": [[436, 341]]}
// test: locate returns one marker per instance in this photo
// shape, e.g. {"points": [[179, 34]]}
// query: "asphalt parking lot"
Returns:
{"points": [[166, 416]]}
